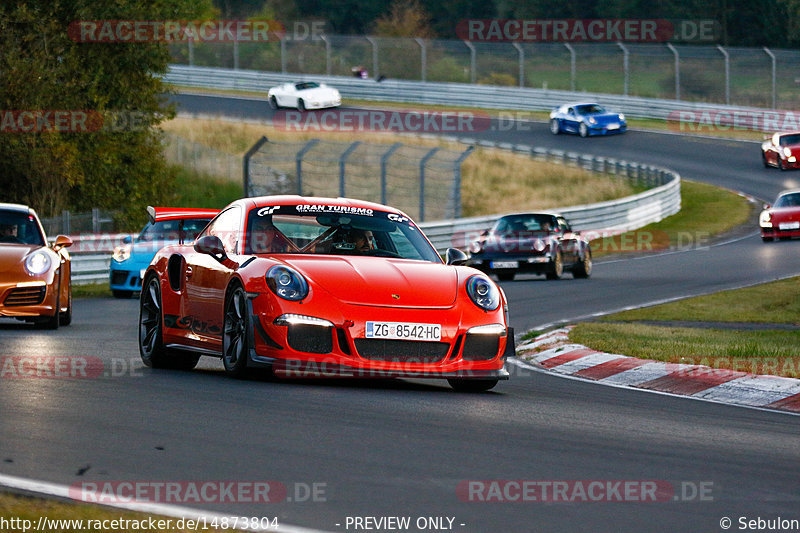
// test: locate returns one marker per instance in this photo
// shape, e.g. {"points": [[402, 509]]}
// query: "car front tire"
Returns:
{"points": [[583, 130], [273, 103], [555, 127], [584, 267], [556, 266], [301, 105], [235, 329]]}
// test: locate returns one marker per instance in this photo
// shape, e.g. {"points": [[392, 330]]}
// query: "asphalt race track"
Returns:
{"points": [[410, 447]]}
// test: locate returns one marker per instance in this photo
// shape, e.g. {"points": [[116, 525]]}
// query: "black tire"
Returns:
{"points": [[151, 343], [123, 295], [235, 329], [52, 322], [556, 266], [301, 105], [555, 127], [584, 267], [505, 276], [766, 239], [273, 103], [583, 130], [65, 319], [471, 385], [781, 166], [764, 159]]}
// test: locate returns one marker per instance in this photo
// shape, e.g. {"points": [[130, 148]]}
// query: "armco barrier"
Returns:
{"points": [[455, 94]]}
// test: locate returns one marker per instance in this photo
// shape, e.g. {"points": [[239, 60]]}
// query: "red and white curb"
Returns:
{"points": [[554, 352]]}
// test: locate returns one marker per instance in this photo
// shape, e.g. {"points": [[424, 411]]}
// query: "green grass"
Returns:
{"points": [[764, 351], [91, 290], [760, 352], [193, 189], [28, 508], [706, 211]]}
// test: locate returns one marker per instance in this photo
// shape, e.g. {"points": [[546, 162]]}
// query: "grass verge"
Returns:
{"points": [[18, 509], [490, 177], [759, 351], [706, 212], [91, 290]]}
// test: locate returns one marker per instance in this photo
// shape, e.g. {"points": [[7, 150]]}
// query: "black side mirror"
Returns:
{"points": [[211, 245], [454, 256]]}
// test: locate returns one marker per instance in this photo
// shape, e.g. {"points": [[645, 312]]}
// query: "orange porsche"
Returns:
{"points": [[327, 287], [34, 276]]}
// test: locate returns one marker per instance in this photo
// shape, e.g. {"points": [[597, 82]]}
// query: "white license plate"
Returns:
{"points": [[505, 264], [404, 331], [789, 225], [613, 126]]}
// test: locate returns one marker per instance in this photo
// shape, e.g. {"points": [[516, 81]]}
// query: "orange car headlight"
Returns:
{"points": [[37, 263]]}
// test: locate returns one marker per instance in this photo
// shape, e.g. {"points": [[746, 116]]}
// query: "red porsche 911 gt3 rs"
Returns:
{"points": [[781, 219], [322, 287]]}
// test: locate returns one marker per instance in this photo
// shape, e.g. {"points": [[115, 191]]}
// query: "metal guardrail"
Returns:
{"points": [[461, 94], [603, 218], [90, 268]]}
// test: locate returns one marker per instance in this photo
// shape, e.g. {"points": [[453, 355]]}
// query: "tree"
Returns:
{"points": [[406, 18], [116, 163]]}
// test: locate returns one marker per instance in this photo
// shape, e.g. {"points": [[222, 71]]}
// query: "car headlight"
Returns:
{"points": [[287, 283], [121, 253], [539, 245], [592, 120], [765, 219], [483, 292], [37, 263], [621, 117], [787, 152], [475, 247]]}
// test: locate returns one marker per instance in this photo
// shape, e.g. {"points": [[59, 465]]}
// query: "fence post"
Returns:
{"points": [[65, 229], [423, 58], [774, 77], [384, 161], [327, 54], [342, 161], [571, 66], [457, 180], [283, 55], [374, 44], [677, 70], [625, 68], [521, 54], [95, 220], [422, 164], [473, 76], [191, 51], [299, 163], [246, 163], [727, 74], [235, 53]]}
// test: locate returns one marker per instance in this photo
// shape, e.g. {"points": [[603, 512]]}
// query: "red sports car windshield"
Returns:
{"points": [[788, 200], [335, 230]]}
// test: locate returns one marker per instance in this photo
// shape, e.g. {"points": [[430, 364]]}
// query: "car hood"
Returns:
{"points": [[604, 118], [785, 214], [319, 92], [12, 255], [382, 282]]}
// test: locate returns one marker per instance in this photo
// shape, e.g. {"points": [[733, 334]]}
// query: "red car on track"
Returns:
{"points": [[322, 287], [782, 219], [782, 150]]}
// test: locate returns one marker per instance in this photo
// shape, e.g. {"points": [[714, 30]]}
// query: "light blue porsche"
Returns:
{"points": [[132, 258]]}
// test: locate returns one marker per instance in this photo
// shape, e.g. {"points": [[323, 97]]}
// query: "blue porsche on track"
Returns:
{"points": [[586, 119]]}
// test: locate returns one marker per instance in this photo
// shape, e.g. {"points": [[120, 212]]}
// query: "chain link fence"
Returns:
{"points": [[424, 182], [69, 223], [201, 158], [759, 77]]}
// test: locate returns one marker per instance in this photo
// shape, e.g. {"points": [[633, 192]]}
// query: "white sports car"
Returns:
{"points": [[304, 95]]}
